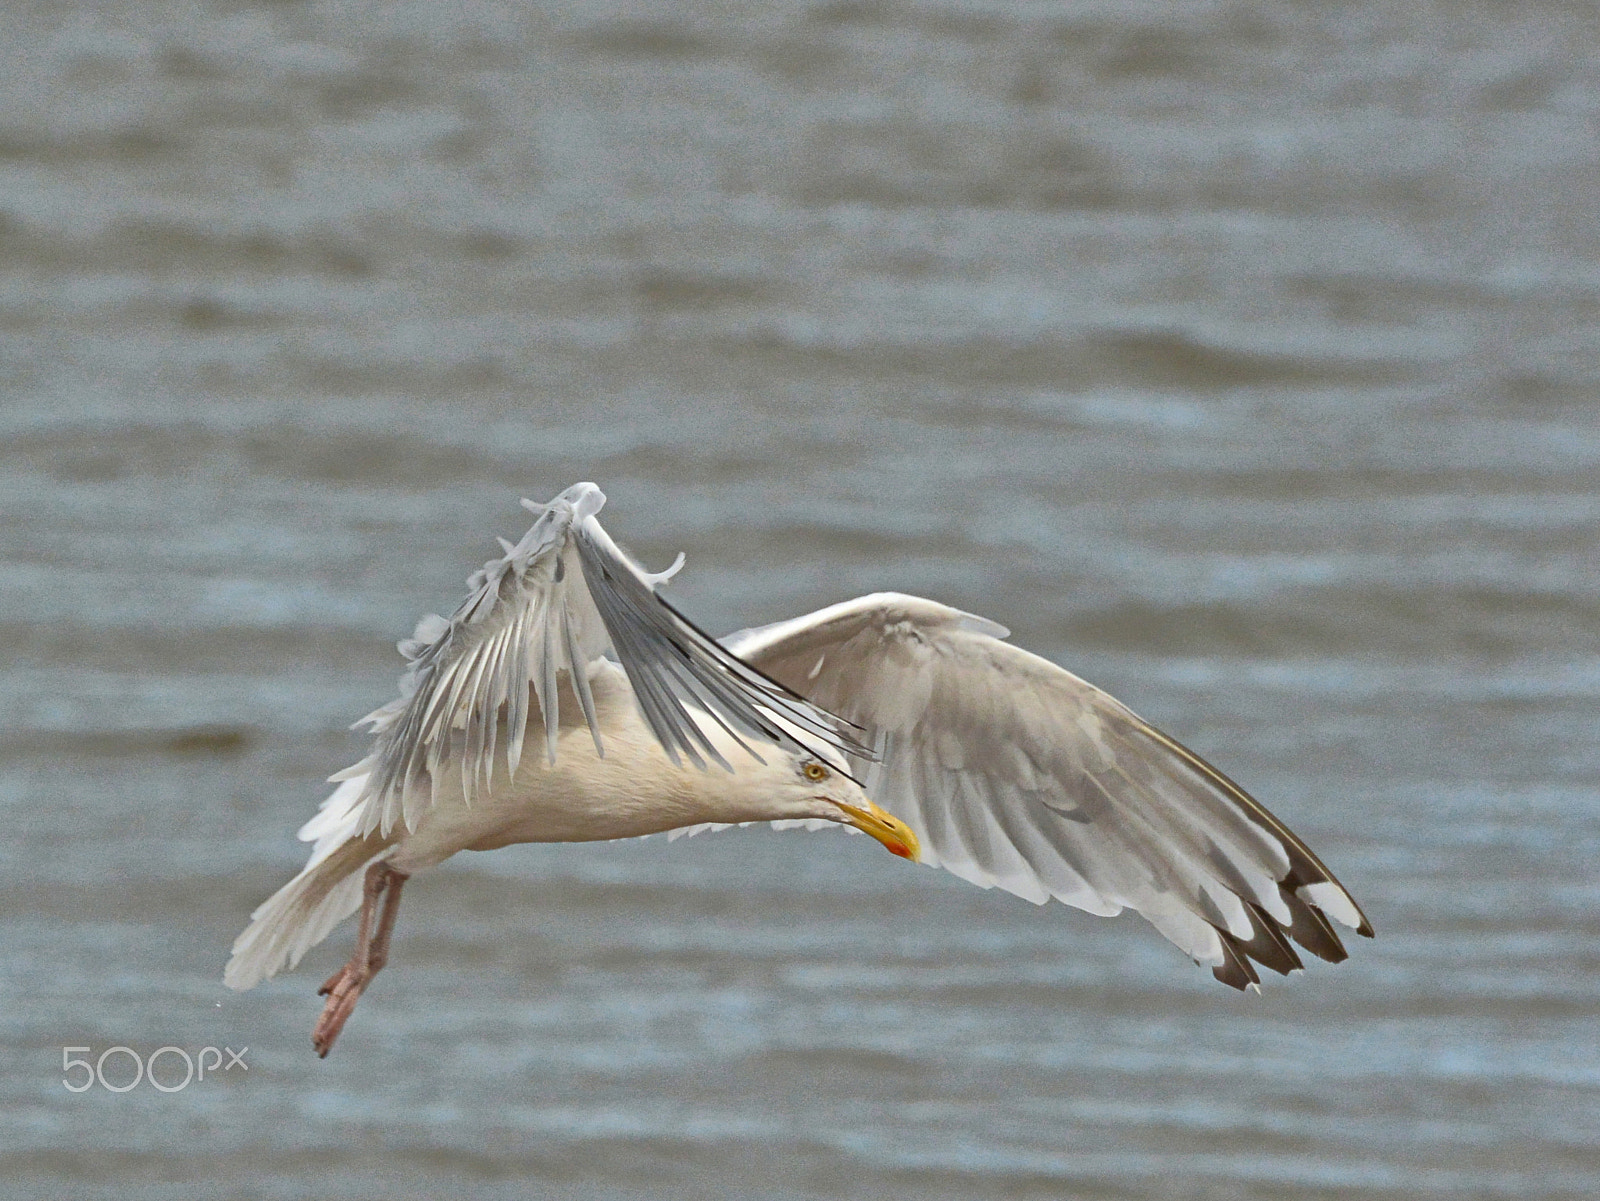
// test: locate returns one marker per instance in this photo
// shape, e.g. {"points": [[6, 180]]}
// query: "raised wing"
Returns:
{"points": [[551, 605], [1016, 773]]}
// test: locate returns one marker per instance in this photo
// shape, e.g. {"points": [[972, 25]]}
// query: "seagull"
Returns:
{"points": [[514, 724]]}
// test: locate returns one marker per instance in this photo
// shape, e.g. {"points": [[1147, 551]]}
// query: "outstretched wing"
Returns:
{"points": [[551, 605], [1014, 772]]}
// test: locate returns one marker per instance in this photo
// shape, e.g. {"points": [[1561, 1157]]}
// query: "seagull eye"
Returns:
{"points": [[815, 771]]}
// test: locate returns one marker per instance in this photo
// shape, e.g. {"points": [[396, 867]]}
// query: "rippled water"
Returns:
{"points": [[1242, 357]]}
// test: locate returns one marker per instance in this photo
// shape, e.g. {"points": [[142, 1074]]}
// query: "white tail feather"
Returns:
{"points": [[306, 909]]}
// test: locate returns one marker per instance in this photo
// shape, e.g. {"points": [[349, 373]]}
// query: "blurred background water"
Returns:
{"points": [[1239, 355]]}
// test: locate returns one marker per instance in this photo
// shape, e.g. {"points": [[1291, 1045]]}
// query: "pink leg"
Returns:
{"points": [[344, 988]]}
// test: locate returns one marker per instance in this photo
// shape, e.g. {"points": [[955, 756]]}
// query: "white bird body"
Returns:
{"points": [[1002, 767], [633, 790]]}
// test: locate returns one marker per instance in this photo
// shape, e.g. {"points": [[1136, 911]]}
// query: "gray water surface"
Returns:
{"points": [[1241, 357]]}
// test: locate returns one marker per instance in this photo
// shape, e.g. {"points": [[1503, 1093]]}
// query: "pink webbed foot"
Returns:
{"points": [[344, 988]]}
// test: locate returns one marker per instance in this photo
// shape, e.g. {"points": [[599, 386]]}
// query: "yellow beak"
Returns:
{"points": [[893, 833]]}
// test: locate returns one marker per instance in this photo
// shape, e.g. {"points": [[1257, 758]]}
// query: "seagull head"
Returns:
{"points": [[822, 790]]}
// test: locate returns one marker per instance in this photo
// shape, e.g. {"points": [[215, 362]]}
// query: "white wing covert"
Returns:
{"points": [[551, 605], [1015, 773]]}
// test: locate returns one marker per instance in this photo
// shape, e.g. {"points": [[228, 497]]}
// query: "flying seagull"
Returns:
{"points": [[512, 725]]}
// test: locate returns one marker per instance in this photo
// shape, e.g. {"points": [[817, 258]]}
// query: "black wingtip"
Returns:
{"points": [[1313, 931], [1235, 970], [1267, 945]]}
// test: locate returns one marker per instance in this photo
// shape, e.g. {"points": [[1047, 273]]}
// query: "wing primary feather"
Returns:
{"points": [[1235, 970], [468, 769], [963, 849], [538, 651], [1267, 945], [665, 684], [699, 688], [713, 693], [456, 689], [925, 780], [1065, 836], [1161, 872], [496, 698], [675, 676], [661, 725], [550, 704], [644, 687], [621, 595], [1311, 930], [579, 672], [782, 691], [480, 717], [472, 734], [665, 714], [682, 670], [429, 700], [1213, 808], [1009, 818], [407, 807], [968, 818], [696, 688], [403, 777], [517, 698], [645, 691], [1302, 858], [875, 771]]}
